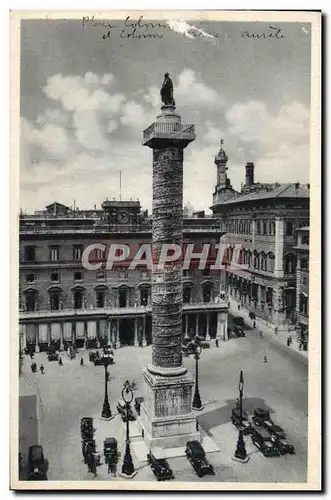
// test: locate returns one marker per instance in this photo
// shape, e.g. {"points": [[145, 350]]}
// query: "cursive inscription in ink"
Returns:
{"points": [[273, 32]]}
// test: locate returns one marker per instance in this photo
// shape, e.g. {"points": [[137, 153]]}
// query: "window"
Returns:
{"points": [[78, 252], [122, 298], [263, 260], [144, 296], [31, 301], [100, 275], [30, 254], [304, 303], [272, 228], [78, 275], [257, 227], [305, 281], [100, 299], [30, 278], [206, 294], [187, 295], [122, 274], [54, 253], [55, 302], [288, 228], [305, 240], [78, 300], [55, 277], [304, 264], [256, 261], [264, 227], [271, 262], [144, 275]]}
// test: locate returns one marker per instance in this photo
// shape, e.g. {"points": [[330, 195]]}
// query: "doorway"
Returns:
{"points": [[126, 331]]}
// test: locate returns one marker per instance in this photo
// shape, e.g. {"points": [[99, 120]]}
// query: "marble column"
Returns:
{"points": [[61, 336], [49, 334], [109, 332], [144, 341], [97, 332], [197, 324], [37, 349], [207, 327], [85, 334], [166, 413], [136, 342], [118, 341], [23, 339]]}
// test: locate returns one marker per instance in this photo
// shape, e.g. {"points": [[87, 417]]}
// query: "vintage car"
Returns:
{"points": [[124, 412], [160, 467], [36, 463], [285, 448], [238, 321], [86, 428], [235, 419], [264, 442], [273, 428], [101, 361], [260, 415], [205, 345], [137, 403], [197, 457], [53, 356], [239, 332], [110, 449], [93, 355]]}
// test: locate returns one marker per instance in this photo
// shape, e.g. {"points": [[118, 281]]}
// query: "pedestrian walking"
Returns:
{"points": [[261, 334], [254, 324], [60, 361], [265, 359], [229, 304], [216, 342], [81, 361], [42, 369], [238, 307]]}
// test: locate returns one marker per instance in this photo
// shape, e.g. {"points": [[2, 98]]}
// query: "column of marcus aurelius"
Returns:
{"points": [[166, 414]]}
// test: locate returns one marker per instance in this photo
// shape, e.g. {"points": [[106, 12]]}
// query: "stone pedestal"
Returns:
{"points": [[166, 415]]}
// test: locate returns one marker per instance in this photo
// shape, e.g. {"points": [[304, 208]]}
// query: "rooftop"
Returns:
{"points": [[295, 191]]}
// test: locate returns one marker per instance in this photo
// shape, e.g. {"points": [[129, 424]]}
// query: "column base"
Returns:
{"points": [[197, 409], [166, 414], [241, 460], [128, 477], [107, 419], [136, 343], [144, 343], [118, 345]]}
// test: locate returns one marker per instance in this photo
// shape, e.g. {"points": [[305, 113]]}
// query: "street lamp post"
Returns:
{"points": [[196, 346], [241, 454], [106, 411], [128, 470]]}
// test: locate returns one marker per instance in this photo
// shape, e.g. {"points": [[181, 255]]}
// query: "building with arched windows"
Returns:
{"points": [[62, 302], [260, 222]]}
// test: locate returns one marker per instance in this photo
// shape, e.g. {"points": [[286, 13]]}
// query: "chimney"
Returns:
{"points": [[249, 177]]}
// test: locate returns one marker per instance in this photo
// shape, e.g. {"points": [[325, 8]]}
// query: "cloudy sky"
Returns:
{"points": [[85, 101]]}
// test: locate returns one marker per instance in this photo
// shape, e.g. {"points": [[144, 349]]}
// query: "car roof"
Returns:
{"points": [[261, 411], [111, 440], [196, 446], [263, 432]]}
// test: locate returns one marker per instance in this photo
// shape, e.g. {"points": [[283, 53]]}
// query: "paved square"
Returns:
{"points": [[69, 392]]}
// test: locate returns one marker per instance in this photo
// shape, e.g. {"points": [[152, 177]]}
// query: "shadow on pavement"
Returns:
{"points": [[222, 415]]}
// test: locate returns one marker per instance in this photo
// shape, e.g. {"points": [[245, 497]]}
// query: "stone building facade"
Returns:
{"points": [[302, 286], [61, 301], [260, 223]]}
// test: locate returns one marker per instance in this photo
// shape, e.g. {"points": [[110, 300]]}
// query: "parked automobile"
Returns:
{"points": [[110, 449], [197, 457], [36, 463], [160, 467], [273, 428], [88, 448], [93, 355], [205, 345], [235, 419], [263, 441], [122, 410], [53, 356], [101, 361], [260, 415], [137, 403], [252, 315], [283, 445], [239, 332], [238, 321]]}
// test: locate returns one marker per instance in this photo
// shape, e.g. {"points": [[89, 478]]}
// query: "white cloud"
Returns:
{"points": [[136, 116], [186, 29], [280, 140], [213, 135], [192, 91]]}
